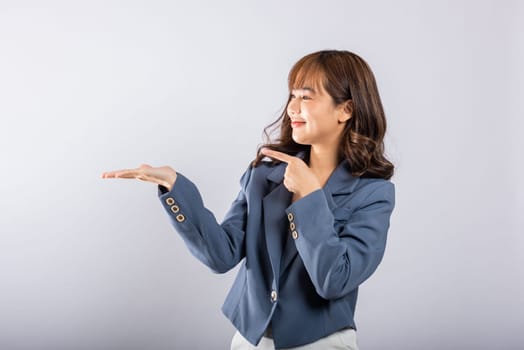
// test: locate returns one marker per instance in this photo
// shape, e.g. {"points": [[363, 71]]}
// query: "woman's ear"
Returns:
{"points": [[346, 109]]}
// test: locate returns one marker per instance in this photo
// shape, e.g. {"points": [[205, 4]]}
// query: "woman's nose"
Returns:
{"points": [[292, 108]]}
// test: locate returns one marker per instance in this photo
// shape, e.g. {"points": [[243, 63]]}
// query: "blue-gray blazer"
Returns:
{"points": [[302, 262]]}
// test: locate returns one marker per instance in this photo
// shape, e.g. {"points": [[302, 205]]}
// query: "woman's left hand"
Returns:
{"points": [[298, 178]]}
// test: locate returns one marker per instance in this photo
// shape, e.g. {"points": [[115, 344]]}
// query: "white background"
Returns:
{"points": [[92, 86]]}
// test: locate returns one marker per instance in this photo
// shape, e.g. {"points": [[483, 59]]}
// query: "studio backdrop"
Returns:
{"points": [[93, 86]]}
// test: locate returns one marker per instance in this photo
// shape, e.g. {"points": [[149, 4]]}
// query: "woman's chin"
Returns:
{"points": [[300, 140]]}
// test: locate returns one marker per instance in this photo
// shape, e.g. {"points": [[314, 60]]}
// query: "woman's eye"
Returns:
{"points": [[303, 97]]}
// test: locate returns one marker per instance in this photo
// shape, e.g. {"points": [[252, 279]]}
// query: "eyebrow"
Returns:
{"points": [[306, 88]]}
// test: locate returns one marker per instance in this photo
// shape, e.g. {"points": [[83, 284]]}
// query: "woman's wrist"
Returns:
{"points": [[170, 182]]}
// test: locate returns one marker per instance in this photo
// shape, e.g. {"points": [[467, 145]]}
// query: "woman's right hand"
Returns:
{"points": [[164, 175]]}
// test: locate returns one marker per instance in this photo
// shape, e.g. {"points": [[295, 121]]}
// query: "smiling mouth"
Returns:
{"points": [[297, 124]]}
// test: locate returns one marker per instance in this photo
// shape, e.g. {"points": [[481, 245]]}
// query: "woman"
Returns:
{"points": [[310, 225]]}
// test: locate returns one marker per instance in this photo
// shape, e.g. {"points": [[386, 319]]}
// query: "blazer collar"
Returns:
{"points": [[339, 182]]}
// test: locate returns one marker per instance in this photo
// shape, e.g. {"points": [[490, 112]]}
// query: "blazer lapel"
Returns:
{"points": [[275, 223]]}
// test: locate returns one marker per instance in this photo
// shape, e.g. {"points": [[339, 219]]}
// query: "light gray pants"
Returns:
{"points": [[345, 339]]}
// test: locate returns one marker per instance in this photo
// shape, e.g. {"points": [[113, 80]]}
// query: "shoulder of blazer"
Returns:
{"points": [[374, 189], [371, 183]]}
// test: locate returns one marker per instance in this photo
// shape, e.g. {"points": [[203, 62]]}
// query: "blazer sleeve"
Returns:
{"points": [[218, 246], [338, 262]]}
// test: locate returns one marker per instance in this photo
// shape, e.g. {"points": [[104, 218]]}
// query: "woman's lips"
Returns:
{"points": [[297, 124]]}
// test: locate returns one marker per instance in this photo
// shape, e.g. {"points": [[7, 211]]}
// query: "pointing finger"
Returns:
{"points": [[277, 155]]}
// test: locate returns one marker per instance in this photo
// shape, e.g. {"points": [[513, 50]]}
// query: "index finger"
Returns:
{"points": [[277, 155]]}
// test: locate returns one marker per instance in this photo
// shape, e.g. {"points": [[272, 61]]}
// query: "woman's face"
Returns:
{"points": [[314, 117]]}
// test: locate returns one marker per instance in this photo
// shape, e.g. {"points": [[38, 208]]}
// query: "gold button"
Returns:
{"points": [[292, 226], [175, 208], [180, 217], [294, 234], [170, 201], [290, 216], [273, 295]]}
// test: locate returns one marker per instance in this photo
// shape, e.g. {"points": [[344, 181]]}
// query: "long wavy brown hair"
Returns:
{"points": [[344, 76]]}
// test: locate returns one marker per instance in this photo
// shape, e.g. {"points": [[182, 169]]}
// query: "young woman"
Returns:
{"points": [[310, 225]]}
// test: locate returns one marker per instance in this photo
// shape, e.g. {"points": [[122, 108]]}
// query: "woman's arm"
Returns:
{"points": [[218, 246], [337, 263]]}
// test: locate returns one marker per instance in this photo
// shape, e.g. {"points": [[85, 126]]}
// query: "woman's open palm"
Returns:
{"points": [[164, 175]]}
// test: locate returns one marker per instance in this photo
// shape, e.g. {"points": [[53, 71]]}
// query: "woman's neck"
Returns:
{"points": [[323, 162]]}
